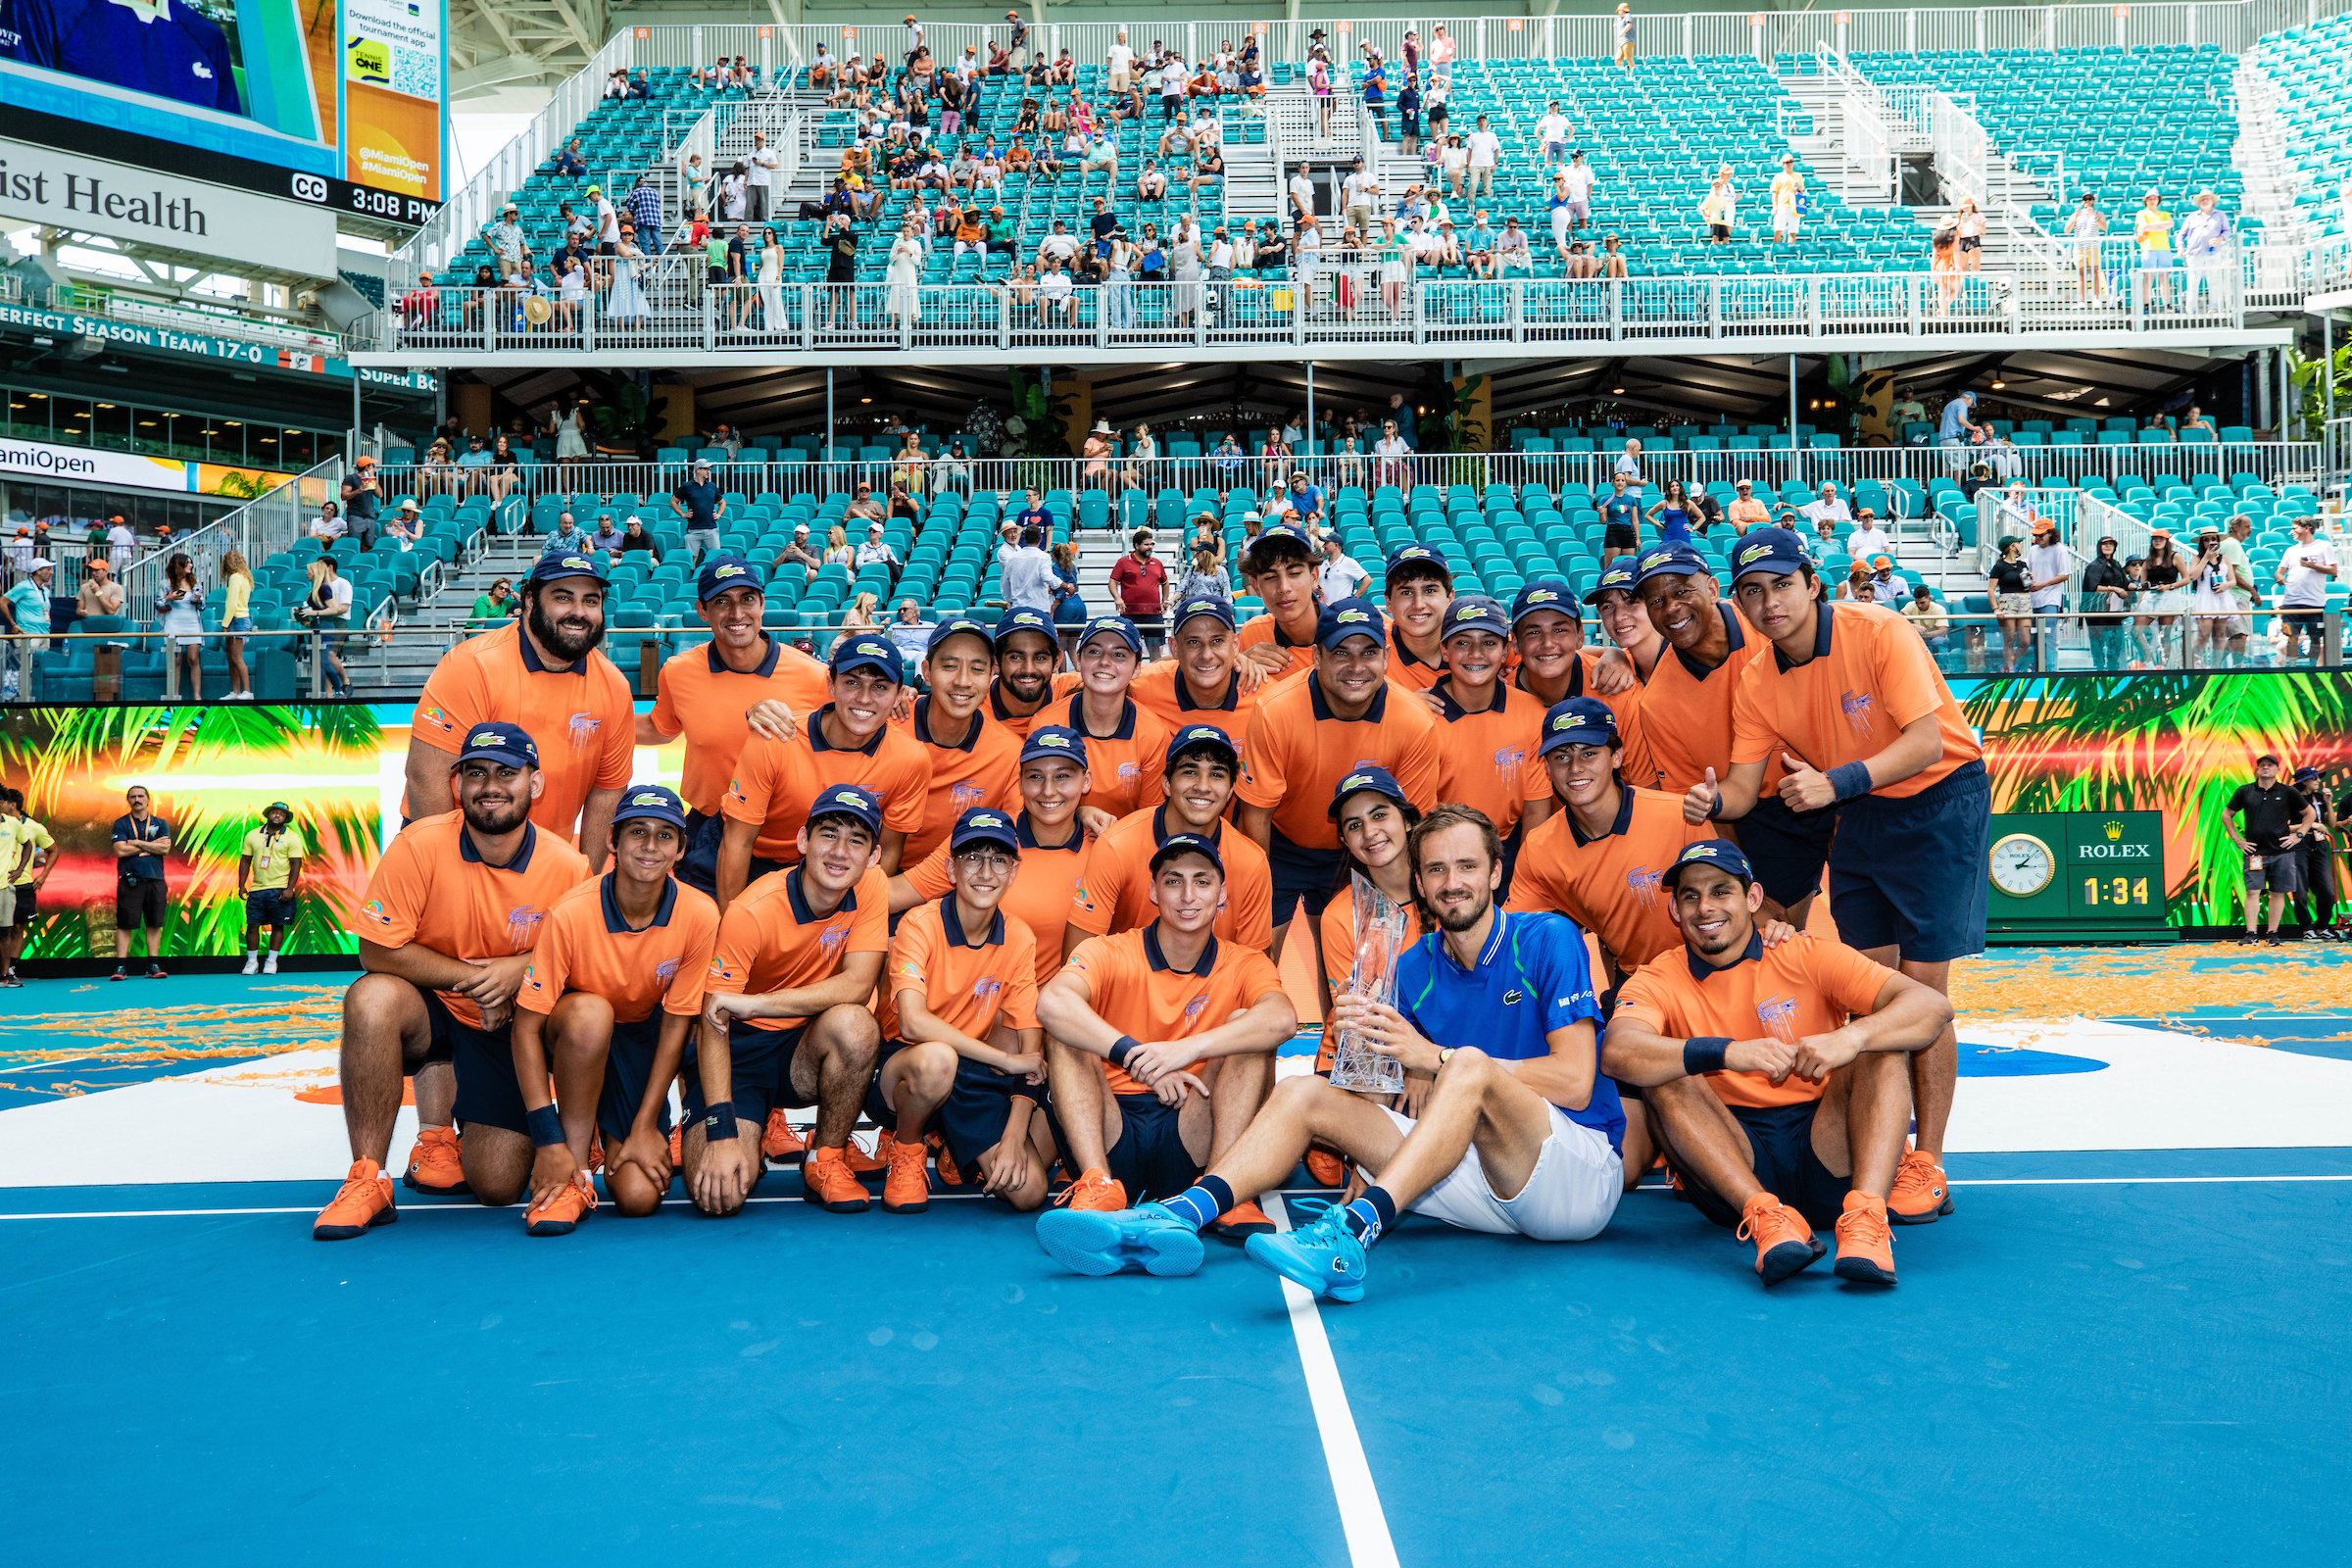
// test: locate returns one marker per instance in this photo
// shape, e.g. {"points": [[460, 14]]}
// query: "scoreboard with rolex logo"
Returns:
{"points": [[2076, 876]]}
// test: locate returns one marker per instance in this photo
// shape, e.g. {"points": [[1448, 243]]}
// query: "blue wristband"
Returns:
{"points": [[718, 1121], [1703, 1053], [546, 1127], [1850, 779], [1122, 1048], [1715, 805]]}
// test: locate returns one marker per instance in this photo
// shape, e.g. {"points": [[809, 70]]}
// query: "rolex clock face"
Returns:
{"points": [[2022, 865]]}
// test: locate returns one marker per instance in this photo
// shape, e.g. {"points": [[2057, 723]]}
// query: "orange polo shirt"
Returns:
{"points": [[1300, 751], [986, 769], [1870, 675], [1808, 985], [965, 987], [1132, 989], [587, 946], [1339, 959], [775, 780], [771, 940], [1158, 688], [1688, 710], [1042, 892], [1260, 628], [1488, 759], [1063, 683], [1633, 762], [1117, 893], [581, 715], [701, 698], [1410, 673], [432, 889], [1611, 885], [1124, 767]]}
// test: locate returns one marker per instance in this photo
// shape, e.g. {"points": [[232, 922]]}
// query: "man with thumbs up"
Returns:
{"points": [[1852, 707]]}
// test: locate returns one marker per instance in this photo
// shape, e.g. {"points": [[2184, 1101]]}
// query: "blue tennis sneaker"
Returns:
{"points": [[1325, 1256], [1150, 1239]]}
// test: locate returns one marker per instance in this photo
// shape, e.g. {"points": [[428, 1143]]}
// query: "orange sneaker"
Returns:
{"points": [[364, 1202], [779, 1141], [1920, 1196], [949, 1173], [561, 1214], [1785, 1242], [1242, 1221], [906, 1190], [1324, 1169], [826, 1182], [1865, 1247], [861, 1162], [434, 1164], [1093, 1190], [595, 1152]]}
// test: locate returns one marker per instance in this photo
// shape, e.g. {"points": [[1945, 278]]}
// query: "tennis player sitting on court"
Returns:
{"points": [[444, 935], [786, 1019], [1519, 1137], [962, 1053], [1776, 1079], [613, 987], [1160, 1044]]}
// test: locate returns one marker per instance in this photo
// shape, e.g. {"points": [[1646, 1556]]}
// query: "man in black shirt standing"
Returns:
{"points": [[697, 500], [2275, 817]]}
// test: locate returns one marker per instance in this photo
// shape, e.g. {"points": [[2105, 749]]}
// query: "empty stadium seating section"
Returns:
{"points": [[2312, 70]]}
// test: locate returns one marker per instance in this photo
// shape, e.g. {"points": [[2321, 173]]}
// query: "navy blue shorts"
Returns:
{"points": [[488, 1093], [627, 1065], [1780, 1139], [1300, 874], [698, 867], [1908, 872], [971, 1120], [270, 907], [1150, 1159], [1786, 848], [760, 1073]]}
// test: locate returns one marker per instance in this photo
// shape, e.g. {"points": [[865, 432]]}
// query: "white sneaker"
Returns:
{"points": [[253, 964], [269, 965]]}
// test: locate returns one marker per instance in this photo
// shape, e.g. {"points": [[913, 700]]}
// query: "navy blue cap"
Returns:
{"points": [[1192, 736], [957, 627], [1419, 556], [1351, 618], [652, 802], [1767, 550], [2304, 776], [1219, 609], [1577, 722], [1675, 560], [722, 572], [511, 744], [1176, 844], [1118, 626], [1054, 740], [1543, 593], [567, 564], [1379, 780], [1721, 854], [872, 651], [1618, 577], [1022, 619], [984, 825], [1293, 532], [1474, 613], [849, 800]]}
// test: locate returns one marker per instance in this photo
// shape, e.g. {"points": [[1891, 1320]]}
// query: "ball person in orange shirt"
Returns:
{"points": [[1278, 566], [1124, 740], [1776, 1078], [613, 986], [444, 935], [1029, 673], [1196, 779], [1419, 588]]}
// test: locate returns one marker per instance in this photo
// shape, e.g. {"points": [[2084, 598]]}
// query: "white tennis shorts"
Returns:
{"points": [[1574, 1189]]}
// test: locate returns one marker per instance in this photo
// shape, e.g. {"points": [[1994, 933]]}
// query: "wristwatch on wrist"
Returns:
{"points": [[1445, 1054]]}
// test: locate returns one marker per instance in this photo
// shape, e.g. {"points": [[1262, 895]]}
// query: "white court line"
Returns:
{"points": [[1361, 1515]]}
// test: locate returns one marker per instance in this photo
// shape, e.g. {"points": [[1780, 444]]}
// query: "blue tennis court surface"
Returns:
{"points": [[2114, 1348]]}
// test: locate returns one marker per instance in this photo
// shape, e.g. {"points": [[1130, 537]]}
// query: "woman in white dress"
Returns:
{"points": [[1118, 289], [906, 267], [771, 282], [625, 305], [1186, 268]]}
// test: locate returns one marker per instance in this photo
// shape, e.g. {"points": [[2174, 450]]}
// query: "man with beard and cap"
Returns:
{"points": [[445, 934], [1029, 673], [544, 675], [710, 694]]}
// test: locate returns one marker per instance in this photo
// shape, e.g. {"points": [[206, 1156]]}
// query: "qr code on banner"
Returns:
{"points": [[416, 74]]}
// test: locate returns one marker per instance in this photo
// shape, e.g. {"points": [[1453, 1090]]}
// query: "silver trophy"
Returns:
{"points": [[1381, 933]]}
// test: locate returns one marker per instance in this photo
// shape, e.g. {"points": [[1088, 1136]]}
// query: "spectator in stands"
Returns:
{"points": [[1868, 539], [496, 607], [1956, 429], [1486, 153], [571, 161], [328, 526], [607, 536], [636, 537], [1745, 510], [566, 539], [838, 552], [1719, 207], [506, 240], [1828, 506], [327, 610], [499, 472], [1512, 249], [1889, 586], [406, 527], [361, 492], [1612, 260], [2152, 227], [2010, 583], [2087, 226], [860, 617], [1787, 188], [798, 556], [1142, 583], [99, 593], [2106, 586], [1029, 581], [1338, 575], [1622, 32], [1629, 463], [1408, 116], [2205, 245], [1968, 229], [1393, 450], [1927, 617], [876, 552], [1056, 294], [698, 503], [1358, 192]]}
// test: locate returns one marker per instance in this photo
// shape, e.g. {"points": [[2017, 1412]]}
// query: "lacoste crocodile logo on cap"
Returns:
{"points": [[845, 798], [1349, 618], [1542, 596], [646, 800], [988, 821], [726, 572], [1754, 553], [1061, 741], [488, 738], [1654, 557]]}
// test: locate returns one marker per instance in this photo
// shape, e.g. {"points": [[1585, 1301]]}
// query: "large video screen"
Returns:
{"points": [[338, 103]]}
